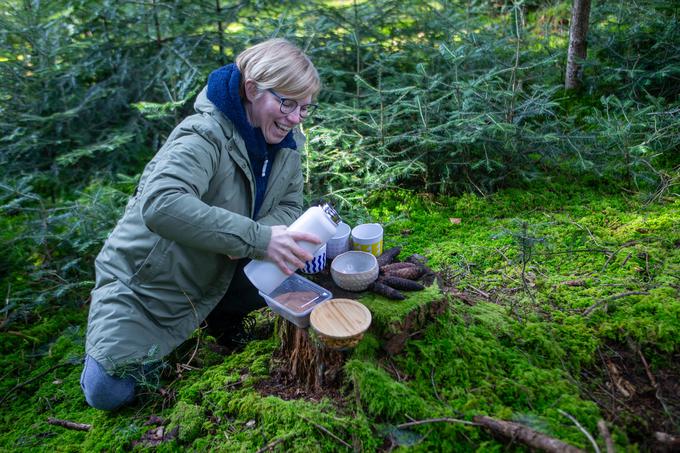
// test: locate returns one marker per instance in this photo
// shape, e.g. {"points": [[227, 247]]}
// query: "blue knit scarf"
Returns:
{"points": [[223, 91]]}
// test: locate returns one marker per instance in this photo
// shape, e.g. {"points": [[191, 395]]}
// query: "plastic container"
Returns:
{"points": [[319, 220], [295, 299]]}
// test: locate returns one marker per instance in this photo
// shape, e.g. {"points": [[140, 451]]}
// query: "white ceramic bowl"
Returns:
{"points": [[354, 270]]}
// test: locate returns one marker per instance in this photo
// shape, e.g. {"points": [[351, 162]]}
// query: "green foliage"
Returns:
{"points": [[52, 247], [467, 97], [456, 98]]}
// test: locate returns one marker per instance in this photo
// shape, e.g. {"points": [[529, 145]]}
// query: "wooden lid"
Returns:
{"points": [[340, 318]]}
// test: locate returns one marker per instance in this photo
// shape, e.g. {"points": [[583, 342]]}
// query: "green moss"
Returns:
{"points": [[188, 419], [652, 320], [385, 312], [368, 347], [532, 262]]}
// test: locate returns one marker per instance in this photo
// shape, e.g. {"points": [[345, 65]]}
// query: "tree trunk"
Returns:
{"points": [[306, 363], [578, 44], [159, 38], [220, 30]]}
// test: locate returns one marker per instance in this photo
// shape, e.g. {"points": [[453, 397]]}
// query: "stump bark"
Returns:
{"points": [[305, 362], [397, 334]]}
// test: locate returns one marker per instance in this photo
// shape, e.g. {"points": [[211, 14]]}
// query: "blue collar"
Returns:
{"points": [[224, 91]]}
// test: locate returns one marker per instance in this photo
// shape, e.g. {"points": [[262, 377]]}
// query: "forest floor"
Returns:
{"points": [[555, 308]]}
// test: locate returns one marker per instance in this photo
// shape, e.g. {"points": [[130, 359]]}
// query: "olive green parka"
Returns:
{"points": [[166, 264]]}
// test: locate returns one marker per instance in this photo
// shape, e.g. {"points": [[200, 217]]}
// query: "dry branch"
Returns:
{"points": [[604, 432], [528, 436], [484, 294], [68, 424], [582, 429], [435, 420], [325, 430], [590, 309], [272, 444], [667, 440], [34, 378], [434, 387], [647, 370]]}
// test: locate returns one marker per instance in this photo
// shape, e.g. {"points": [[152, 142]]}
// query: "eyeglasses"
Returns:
{"points": [[289, 105]]}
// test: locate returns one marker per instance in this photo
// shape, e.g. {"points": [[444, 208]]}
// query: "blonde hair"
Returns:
{"points": [[280, 65]]}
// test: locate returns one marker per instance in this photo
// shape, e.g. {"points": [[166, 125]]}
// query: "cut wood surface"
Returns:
{"points": [[340, 318]]}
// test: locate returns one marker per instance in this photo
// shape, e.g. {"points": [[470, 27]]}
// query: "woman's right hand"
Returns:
{"points": [[283, 249]]}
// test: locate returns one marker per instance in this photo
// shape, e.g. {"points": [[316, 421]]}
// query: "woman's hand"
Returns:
{"points": [[284, 251]]}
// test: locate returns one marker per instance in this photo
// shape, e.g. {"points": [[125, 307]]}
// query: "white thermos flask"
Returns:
{"points": [[319, 220]]}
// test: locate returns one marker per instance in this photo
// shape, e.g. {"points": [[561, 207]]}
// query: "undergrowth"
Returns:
{"points": [[541, 284]]}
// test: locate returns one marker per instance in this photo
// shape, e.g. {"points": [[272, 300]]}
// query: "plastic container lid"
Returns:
{"points": [[295, 298]]}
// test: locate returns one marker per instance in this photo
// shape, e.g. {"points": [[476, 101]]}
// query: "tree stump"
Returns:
{"points": [[305, 361]]}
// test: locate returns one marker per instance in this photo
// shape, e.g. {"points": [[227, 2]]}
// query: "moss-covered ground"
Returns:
{"points": [[564, 305]]}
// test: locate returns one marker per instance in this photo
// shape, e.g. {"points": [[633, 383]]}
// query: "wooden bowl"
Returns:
{"points": [[340, 323]]}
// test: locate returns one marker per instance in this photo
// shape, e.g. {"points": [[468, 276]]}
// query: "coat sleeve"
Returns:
{"points": [[172, 207]]}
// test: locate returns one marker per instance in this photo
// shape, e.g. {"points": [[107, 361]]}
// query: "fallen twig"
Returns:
{"points": [[435, 420], [34, 378], [613, 255], [480, 292], [626, 259], [198, 337], [667, 440], [533, 439], [589, 232], [68, 424], [562, 252], [647, 370], [272, 444], [22, 335], [604, 432], [590, 309], [434, 387], [325, 430], [582, 429]]}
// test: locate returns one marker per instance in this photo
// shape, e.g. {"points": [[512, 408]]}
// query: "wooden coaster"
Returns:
{"points": [[340, 323]]}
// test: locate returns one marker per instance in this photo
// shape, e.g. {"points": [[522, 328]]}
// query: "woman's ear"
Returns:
{"points": [[250, 88]]}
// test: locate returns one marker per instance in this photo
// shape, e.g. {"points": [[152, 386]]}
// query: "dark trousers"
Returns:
{"points": [[240, 299]]}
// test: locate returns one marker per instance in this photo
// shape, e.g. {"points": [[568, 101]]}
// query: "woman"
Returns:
{"points": [[218, 193]]}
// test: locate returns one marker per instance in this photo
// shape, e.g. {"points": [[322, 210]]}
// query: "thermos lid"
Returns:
{"points": [[331, 212]]}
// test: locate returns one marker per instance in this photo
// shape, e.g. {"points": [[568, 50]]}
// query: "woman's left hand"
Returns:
{"points": [[284, 251]]}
